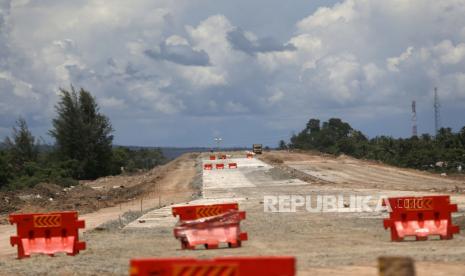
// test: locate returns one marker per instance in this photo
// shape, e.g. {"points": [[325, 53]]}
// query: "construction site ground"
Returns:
{"points": [[323, 243]]}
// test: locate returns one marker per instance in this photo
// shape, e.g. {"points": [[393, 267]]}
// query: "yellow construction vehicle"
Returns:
{"points": [[257, 148]]}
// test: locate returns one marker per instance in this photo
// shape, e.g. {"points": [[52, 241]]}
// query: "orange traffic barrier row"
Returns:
{"points": [[211, 225], [224, 266], [219, 166], [221, 156], [48, 233]]}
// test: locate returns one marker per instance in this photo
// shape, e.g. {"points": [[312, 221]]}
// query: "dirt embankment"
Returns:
{"points": [[278, 161], [91, 196]]}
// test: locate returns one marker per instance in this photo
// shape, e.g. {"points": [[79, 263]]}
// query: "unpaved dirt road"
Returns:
{"points": [[323, 243], [345, 171], [174, 182]]}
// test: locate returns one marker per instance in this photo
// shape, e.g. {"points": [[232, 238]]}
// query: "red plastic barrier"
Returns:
{"points": [[193, 212], [223, 156], [209, 225], [421, 217], [219, 166], [207, 166], [212, 157], [47, 233], [224, 266], [232, 165], [211, 231], [249, 155]]}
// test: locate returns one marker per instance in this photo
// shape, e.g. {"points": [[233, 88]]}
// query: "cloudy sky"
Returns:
{"points": [[180, 72]]}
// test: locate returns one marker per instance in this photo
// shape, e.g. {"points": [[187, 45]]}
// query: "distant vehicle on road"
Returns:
{"points": [[257, 148]]}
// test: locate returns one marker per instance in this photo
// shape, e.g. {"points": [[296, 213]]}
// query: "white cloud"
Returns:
{"points": [[112, 103], [372, 74], [339, 14], [145, 59], [362, 52], [203, 77], [211, 36], [150, 97], [276, 97], [448, 53], [338, 77], [235, 107], [176, 40], [393, 63]]}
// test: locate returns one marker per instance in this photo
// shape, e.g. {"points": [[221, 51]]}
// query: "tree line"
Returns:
{"points": [[83, 148], [443, 152]]}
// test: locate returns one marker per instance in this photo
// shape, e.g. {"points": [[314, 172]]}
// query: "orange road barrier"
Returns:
{"points": [[249, 155], [193, 212], [223, 266], [219, 166], [207, 166], [47, 233], [232, 165], [212, 157], [223, 156], [209, 225], [421, 217]]}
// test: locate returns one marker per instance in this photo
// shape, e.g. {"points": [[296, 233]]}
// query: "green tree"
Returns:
{"points": [[355, 144], [21, 146], [5, 170], [282, 145], [336, 136], [462, 136], [338, 128], [382, 148], [333, 136], [119, 160], [447, 139], [313, 125], [83, 134]]}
